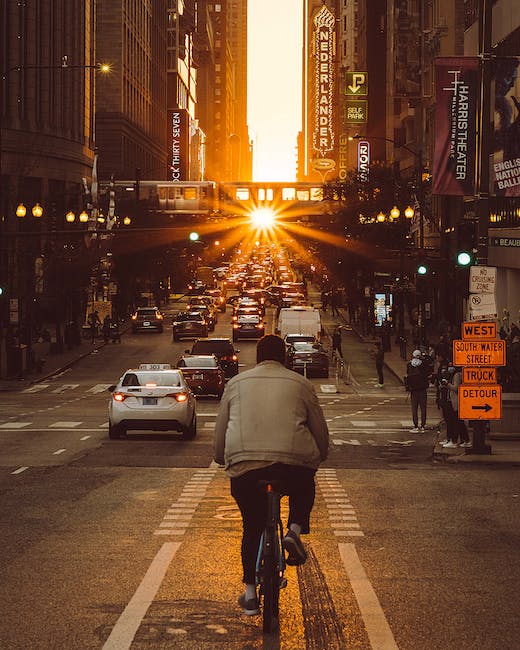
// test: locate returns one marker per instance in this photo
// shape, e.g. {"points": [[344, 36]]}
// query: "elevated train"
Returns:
{"points": [[292, 200]]}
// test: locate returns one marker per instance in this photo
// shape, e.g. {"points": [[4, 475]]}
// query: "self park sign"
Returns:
{"points": [[479, 352]]}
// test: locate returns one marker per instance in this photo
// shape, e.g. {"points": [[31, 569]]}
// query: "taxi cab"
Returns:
{"points": [[153, 397]]}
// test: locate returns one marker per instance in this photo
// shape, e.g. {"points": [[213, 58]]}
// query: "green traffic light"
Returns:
{"points": [[463, 259], [194, 236], [422, 269]]}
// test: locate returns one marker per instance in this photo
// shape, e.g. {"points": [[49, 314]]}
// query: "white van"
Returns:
{"points": [[299, 320]]}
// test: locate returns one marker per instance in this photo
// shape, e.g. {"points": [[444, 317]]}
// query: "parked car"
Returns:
{"points": [[189, 324], [203, 374], [146, 319], [310, 359], [250, 326], [223, 349], [152, 397]]}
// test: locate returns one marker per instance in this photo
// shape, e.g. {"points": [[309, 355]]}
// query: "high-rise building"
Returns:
{"points": [[131, 110]]}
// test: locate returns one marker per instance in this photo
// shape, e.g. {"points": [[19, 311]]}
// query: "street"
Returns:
{"points": [[135, 543]]}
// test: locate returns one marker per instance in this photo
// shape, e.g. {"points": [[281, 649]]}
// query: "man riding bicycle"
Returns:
{"points": [[270, 426]]}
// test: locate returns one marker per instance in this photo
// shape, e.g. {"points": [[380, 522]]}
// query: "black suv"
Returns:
{"points": [[223, 349]]}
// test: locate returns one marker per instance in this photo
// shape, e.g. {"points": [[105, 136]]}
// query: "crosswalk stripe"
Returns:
{"points": [[64, 425], [14, 425], [98, 388], [64, 387], [36, 388]]}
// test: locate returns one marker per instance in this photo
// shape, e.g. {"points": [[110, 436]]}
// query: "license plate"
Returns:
{"points": [[198, 376], [149, 401], [146, 323]]}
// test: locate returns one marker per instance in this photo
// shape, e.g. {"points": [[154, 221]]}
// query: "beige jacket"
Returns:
{"points": [[270, 413]]}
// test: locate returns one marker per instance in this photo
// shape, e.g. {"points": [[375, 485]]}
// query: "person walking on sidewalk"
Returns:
{"points": [[458, 430], [335, 302], [287, 439], [336, 342], [380, 360], [416, 382]]}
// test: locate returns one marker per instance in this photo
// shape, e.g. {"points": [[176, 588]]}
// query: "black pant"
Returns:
{"points": [[455, 429], [379, 368], [337, 346], [298, 485], [419, 399]]}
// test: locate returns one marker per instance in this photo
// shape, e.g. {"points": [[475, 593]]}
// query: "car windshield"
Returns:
{"points": [[163, 378], [305, 346], [147, 312], [198, 362]]}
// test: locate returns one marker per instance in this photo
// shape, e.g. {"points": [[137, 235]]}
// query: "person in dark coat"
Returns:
{"points": [[380, 360]]}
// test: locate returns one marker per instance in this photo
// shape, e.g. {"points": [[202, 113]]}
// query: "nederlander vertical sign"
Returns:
{"points": [[324, 48]]}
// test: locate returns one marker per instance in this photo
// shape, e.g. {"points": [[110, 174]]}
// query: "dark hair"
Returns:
{"points": [[270, 348]]}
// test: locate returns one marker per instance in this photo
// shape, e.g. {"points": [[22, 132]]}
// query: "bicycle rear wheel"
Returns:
{"points": [[270, 584]]}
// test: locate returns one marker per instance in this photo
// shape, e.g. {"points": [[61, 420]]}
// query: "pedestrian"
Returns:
{"points": [[380, 359], [107, 321], [442, 377], [458, 430], [286, 439], [95, 322], [324, 300], [336, 341], [335, 302], [417, 382]]}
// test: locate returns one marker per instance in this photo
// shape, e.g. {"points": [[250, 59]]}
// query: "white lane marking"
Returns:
{"points": [[346, 442], [98, 388], [173, 524], [14, 425], [363, 423], [206, 415], [169, 531], [184, 517], [340, 524], [19, 470], [58, 452], [128, 623], [84, 437], [64, 425], [349, 533], [64, 387], [35, 388], [379, 632]]}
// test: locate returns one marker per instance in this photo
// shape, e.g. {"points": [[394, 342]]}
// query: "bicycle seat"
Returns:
{"points": [[277, 485]]}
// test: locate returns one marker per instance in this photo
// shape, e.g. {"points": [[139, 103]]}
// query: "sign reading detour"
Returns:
{"points": [[480, 402], [479, 353]]}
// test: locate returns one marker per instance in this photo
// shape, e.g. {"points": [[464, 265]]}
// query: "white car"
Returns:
{"points": [[153, 397]]}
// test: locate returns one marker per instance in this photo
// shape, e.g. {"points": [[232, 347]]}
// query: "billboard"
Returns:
{"points": [[178, 145], [324, 83], [457, 90], [505, 168]]}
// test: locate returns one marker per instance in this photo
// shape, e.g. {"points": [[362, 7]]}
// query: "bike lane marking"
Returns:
{"points": [[128, 623], [376, 625]]}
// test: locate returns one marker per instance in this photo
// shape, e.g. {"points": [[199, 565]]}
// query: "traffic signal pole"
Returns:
{"points": [[484, 144]]}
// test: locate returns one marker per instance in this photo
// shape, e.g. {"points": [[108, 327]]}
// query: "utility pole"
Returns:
{"points": [[483, 149]]}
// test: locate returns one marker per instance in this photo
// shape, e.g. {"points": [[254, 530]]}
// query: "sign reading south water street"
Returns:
{"points": [[479, 353]]}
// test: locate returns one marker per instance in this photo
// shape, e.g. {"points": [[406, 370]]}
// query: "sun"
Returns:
{"points": [[263, 218]]}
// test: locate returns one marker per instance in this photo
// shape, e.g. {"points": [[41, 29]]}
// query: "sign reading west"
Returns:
{"points": [[479, 353], [476, 331]]}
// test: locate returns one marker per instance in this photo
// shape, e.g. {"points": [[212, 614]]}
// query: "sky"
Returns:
{"points": [[274, 86]]}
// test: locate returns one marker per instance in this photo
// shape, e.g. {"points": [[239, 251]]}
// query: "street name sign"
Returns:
{"points": [[480, 402], [477, 376], [479, 353], [477, 331]]}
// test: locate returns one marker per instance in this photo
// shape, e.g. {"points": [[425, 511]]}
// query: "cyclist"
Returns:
{"points": [[270, 426]]}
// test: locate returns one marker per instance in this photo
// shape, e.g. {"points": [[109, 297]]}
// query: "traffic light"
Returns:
{"points": [[194, 236], [466, 243], [422, 269]]}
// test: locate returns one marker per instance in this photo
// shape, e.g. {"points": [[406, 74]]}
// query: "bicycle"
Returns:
{"points": [[270, 562]]}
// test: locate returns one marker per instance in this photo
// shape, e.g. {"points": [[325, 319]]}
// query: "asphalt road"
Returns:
{"points": [[135, 543]]}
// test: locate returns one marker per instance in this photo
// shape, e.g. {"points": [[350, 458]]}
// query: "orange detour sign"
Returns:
{"points": [[480, 402], [479, 353], [479, 331], [477, 376]]}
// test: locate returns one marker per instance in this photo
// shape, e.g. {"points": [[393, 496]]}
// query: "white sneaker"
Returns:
{"points": [[450, 445], [414, 430], [465, 444], [422, 429], [442, 442]]}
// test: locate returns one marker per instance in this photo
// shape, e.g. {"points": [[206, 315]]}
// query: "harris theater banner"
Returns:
{"points": [[454, 161]]}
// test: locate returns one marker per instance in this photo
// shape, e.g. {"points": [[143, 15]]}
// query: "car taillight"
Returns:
{"points": [[119, 397], [260, 326], [235, 326], [159, 316], [234, 358], [180, 397], [134, 317]]}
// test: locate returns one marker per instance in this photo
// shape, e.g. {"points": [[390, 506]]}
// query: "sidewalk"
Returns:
{"points": [[505, 449]]}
